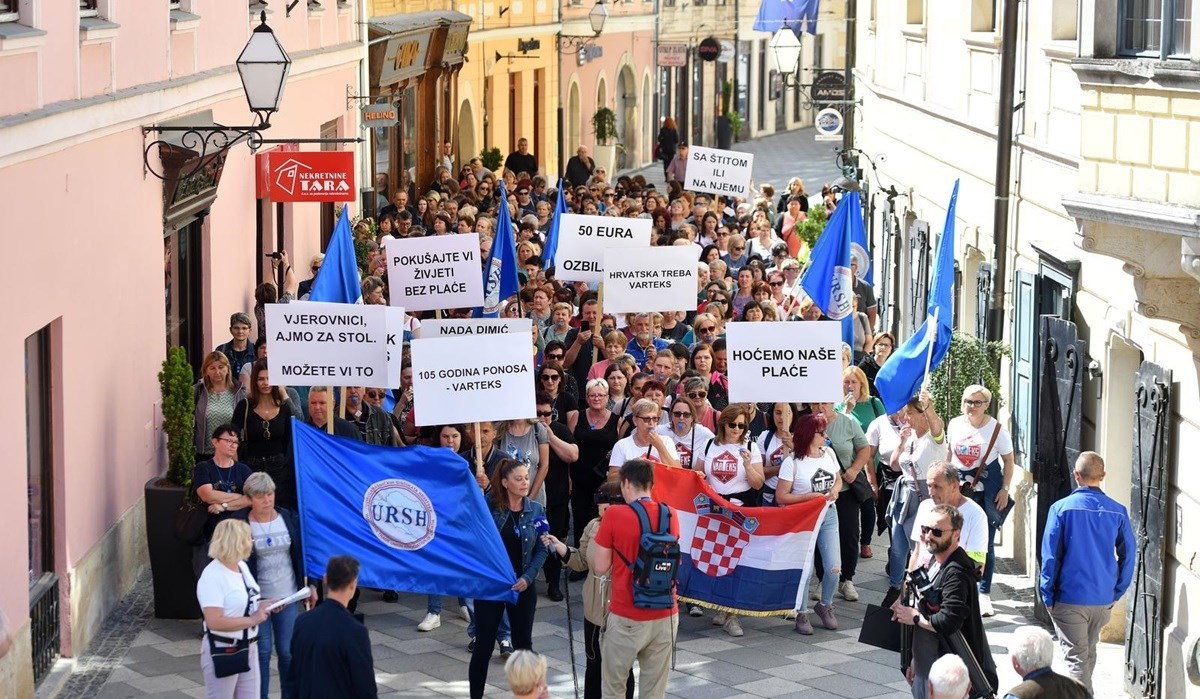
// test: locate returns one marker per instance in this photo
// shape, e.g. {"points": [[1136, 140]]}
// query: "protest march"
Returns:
{"points": [[682, 395]]}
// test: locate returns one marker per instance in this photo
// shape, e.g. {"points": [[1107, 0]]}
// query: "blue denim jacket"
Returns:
{"points": [[533, 553]]}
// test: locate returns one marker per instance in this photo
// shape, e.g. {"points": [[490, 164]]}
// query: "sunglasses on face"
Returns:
{"points": [[550, 377], [697, 395], [776, 283], [647, 418], [545, 413], [737, 426], [681, 415], [738, 248], [937, 533], [555, 357], [374, 394]]}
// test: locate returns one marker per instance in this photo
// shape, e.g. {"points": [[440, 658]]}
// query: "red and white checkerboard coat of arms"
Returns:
{"points": [[717, 544]]}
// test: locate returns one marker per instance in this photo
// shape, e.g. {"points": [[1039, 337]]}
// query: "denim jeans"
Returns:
{"points": [[992, 479], [903, 517], [829, 545], [504, 633], [276, 632], [434, 606]]}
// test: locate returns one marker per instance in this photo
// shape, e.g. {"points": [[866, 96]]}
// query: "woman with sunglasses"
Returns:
{"points": [[733, 467], [644, 442], [684, 431], [694, 389], [775, 443], [551, 379], [528, 442], [702, 361], [515, 513], [595, 430], [264, 419], [812, 472]]}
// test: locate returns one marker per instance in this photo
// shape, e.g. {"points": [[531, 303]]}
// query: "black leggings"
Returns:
{"points": [[559, 518], [487, 622], [583, 498], [591, 674]]}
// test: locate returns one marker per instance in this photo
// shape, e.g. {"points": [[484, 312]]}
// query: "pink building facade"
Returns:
{"points": [[101, 275]]}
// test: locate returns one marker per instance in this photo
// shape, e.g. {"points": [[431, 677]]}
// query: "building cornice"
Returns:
{"points": [[1137, 72]]}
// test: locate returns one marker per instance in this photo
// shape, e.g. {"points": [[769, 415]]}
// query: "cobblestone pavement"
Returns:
{"points": [[138, 656]]}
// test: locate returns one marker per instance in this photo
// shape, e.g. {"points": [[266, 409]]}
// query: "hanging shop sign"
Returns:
{"points": [[404, 57], [380, 115], [709, 49], [672, 55], [322, 176]]}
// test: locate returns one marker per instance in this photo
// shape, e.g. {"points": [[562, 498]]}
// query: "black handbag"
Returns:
{"points": [[232, 660], [861, 487], [190, 522]]}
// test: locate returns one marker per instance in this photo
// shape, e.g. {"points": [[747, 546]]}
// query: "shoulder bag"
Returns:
{"points": [[232, 660], [967, 485], [190, 521]]}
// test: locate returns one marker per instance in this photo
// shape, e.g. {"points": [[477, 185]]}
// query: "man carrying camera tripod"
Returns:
{"points": [[945, 615]]}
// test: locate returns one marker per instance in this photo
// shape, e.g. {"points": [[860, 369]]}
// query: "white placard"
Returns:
{"points": [[395, 345], [795, 361], [654, 279], [582, 241], [475, 326], [434, 272], [327, 344], [455, 382], [724, 172]]}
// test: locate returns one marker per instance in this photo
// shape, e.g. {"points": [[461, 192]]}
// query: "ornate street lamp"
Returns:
{"points": [[785, 47], [598, 16]]}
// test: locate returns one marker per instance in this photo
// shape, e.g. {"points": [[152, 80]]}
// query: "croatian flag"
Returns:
{"points": [[746, 560]]}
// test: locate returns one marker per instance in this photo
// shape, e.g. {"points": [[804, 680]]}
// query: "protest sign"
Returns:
{"points": [[582, 241], [475, 326], [723, 172], [457, 381], [795, 362], [395, 345], [434, 272], [313, 343], [662, 278]]}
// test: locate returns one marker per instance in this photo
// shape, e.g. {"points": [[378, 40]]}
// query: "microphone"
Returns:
{"points": [[541, 525]]}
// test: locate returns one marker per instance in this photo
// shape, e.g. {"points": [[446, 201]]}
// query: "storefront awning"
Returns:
{"points": [[413, 42]]}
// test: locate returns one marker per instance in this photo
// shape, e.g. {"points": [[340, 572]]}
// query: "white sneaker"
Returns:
{"points": [[790, 616], [718, 619], [465, 613], [430, 622], [985, 605], [847, 591], [733, 627]]}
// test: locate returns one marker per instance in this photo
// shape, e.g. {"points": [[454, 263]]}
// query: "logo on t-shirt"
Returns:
{"points": [[685, 455], [724, 467], [968, 451], [822, 481], [400, 514]]}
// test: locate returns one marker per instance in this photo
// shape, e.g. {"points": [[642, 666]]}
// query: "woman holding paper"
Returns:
{"points": [[276, 563]]}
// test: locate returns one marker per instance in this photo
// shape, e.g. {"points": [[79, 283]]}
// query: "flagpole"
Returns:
{"points": [[599, 319], [329, 418], [478, 451], [931, 329], [342, 405]]}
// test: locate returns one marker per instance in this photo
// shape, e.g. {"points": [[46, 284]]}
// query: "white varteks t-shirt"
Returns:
{"points": [[810, 474], [724, 467], [694, 440], [626, 450], [973, 538], [774, 451], [221, 587], [968, 443]]}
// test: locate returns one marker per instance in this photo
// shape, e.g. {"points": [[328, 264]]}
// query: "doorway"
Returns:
{"points": [[183, 293], [44, 612]]}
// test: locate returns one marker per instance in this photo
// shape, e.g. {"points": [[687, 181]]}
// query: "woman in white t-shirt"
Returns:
{"points": [[775, 444], [883, 436], [813, 472], [645, 442], [972, 447], [229, 599], [732, 465], [922, 442], [683, 432]]}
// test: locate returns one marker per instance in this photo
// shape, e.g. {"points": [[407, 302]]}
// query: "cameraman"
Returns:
{"points": [[948, 602]]}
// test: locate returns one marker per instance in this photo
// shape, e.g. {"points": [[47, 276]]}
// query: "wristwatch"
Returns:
{"points": [[225, 506], [916, 620]]}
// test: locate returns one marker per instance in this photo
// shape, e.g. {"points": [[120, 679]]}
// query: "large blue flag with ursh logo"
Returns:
{"points": [[901, 376], [414, 517], [828, 280]]}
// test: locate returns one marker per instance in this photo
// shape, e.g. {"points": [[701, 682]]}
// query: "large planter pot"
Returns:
{"points": [[606, 158], [170, 558], [724, 133]]}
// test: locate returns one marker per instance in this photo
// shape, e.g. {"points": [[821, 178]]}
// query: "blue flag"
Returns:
{"points": [[800, 15], [500, 273], [900, 377], [338, 281], [828, 281], [413, 517], [560, 208]]}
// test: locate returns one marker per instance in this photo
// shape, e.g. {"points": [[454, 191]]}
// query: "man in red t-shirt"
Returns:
{"points": [[632, 633]]}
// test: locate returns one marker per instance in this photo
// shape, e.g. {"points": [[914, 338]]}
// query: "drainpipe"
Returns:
{"points": [[1004, 142], [851, 49]]}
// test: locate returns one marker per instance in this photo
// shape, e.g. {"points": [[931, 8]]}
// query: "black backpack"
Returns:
{"points": [[657, 563]]}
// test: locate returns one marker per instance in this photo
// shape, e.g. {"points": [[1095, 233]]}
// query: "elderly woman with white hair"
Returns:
{"points": [[230, 601], [276, 562], [948, 679]]}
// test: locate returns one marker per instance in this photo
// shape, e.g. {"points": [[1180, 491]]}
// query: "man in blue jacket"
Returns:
{"points": [[1088, 554]]}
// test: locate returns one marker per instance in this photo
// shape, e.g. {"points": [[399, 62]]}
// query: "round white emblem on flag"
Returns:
{"points": [[400, 514], [841, 296]]}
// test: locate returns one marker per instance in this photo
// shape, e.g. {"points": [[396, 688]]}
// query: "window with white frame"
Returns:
{"points": [[1155, 28], [88, 8], [174, 5], [8, 11]]}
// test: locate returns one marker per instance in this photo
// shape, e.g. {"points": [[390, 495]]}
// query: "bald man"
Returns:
{"points": [[1088, 554]]}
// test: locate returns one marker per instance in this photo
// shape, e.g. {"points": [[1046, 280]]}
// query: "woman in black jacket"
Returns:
{"points": [[668, 142], [277, 564]]}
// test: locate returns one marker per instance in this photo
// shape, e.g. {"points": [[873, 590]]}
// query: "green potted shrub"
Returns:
{"points": [[604, 125], [969, 361], [492, 158], [170, 558], [725, 130]]}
